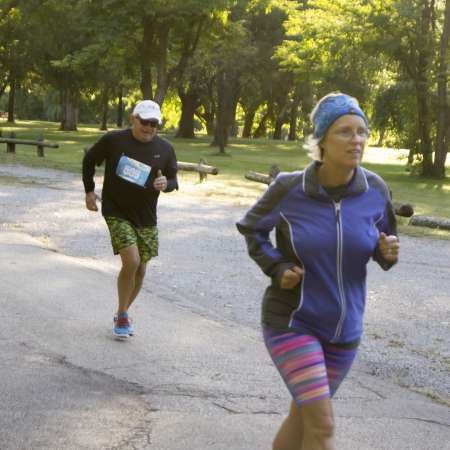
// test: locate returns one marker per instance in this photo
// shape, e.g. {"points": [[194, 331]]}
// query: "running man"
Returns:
{"points": [[139, 165]]}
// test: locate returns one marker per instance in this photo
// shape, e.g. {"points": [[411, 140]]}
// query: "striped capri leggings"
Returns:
{"points": [[311, 369]]}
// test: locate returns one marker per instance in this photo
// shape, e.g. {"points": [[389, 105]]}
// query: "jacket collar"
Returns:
{"points": [[312, 187]]}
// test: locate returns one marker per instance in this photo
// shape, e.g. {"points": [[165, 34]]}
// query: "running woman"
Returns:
{"points": [[330, 220]]}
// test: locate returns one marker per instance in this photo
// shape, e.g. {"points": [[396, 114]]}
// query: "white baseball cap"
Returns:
{"points": [[148, 109]]}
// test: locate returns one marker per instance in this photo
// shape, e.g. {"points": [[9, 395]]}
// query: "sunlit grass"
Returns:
{"points": [[429, 197]]}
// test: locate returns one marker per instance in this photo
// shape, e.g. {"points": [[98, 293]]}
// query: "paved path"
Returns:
{"points": [[196, 376]]}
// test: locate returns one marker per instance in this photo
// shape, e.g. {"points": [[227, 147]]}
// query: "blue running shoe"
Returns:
{"points": [[121, 326], [130, 325]]}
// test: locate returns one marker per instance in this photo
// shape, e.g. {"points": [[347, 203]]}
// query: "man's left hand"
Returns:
{"points": [[160, 182]]}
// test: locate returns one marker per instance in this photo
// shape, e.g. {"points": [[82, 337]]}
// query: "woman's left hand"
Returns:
{"points": [[389, 247]]}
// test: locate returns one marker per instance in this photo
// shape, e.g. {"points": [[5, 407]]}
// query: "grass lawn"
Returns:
{"points": [[430, 197]]}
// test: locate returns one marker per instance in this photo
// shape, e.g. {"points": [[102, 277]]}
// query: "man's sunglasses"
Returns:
{"points": [[144, 122]]}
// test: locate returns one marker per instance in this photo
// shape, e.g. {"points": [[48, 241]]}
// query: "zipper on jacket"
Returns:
{"points": [[337, 207]]}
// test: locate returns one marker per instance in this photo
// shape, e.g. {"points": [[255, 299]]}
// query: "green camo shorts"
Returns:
{"points": [[124, 234]]}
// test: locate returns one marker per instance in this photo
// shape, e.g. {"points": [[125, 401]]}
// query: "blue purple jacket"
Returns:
{"points": [[332, 241]]}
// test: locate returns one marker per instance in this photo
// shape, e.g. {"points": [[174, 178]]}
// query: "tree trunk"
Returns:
{"points": [[443, 139], [422, 89], [104, 106], [221, 132], [281, 118], [69, 109], [248, 123], [234, 128], [189, 103], [306, 101], [120, 108], [162, 78], [11, 100], [208, 117], [209, 106], [293, 117], [227, 95], [278, 128], [381, 137], [146, 57], [261, 129]]}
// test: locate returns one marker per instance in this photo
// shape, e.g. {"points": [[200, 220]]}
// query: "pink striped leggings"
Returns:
{"points": [[311, 369]]}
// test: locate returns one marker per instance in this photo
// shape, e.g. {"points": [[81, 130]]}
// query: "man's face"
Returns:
{"points": [[143, 130]]}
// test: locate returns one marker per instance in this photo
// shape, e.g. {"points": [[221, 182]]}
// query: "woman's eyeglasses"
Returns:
{"points": [[145, 122], [348, 133]]}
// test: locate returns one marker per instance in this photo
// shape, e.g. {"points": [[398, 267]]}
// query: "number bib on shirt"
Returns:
{"points": [[133, 171]]}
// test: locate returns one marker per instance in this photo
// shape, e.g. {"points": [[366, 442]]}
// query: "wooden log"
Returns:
{"points": [[203, 176], [10, 144], [13, 141], [430, 222], [201, 168], [403, 209], [274, 170], [40, 146], [258, 177]]}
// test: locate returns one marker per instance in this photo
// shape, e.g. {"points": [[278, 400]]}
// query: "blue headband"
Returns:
{"points": [[333, 107]]}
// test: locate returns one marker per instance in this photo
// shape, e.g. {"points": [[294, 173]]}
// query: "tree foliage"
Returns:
{"points": [[256, 65]]}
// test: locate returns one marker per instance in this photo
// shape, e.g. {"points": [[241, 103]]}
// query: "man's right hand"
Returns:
{"points": [[291, 277], [91, 201]]}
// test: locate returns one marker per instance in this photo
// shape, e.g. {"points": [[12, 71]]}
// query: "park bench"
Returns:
{"points": [[11, 143]]}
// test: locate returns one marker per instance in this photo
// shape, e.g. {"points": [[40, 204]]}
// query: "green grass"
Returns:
{"points": [[429, 197]]}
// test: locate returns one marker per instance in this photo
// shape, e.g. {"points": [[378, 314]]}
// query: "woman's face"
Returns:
{"points": [[343, 144]]}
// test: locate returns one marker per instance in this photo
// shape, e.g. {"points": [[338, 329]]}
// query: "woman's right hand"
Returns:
{"points": [[291, 277]]}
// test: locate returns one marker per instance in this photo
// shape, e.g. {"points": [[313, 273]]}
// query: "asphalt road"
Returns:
{"points": [[196, 376]]}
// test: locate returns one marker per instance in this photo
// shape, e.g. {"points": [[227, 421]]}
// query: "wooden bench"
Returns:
{"points": [[11, 143]]}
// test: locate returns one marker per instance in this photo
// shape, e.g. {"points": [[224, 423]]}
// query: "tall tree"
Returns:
{"points": [[65, 52], [443, 123], [16, 57], [232, 59], [405, 31], [164, 35]]}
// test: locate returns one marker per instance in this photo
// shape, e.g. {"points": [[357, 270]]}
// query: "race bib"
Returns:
{"points": [[133, 171]]}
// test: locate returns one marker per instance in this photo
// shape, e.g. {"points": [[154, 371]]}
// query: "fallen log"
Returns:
{"points": [[430, 222], [11, 143], [403, 209], [29, 142], [258, 177], [201, 168]]}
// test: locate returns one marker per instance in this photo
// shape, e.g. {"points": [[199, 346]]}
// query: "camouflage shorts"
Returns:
{"points": [[124, 234]]}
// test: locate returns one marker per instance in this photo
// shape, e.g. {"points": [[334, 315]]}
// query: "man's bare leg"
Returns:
{"points": [[126, 280]]}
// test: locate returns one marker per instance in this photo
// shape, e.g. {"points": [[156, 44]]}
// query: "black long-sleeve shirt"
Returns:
{"points": [[121, 198]]}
